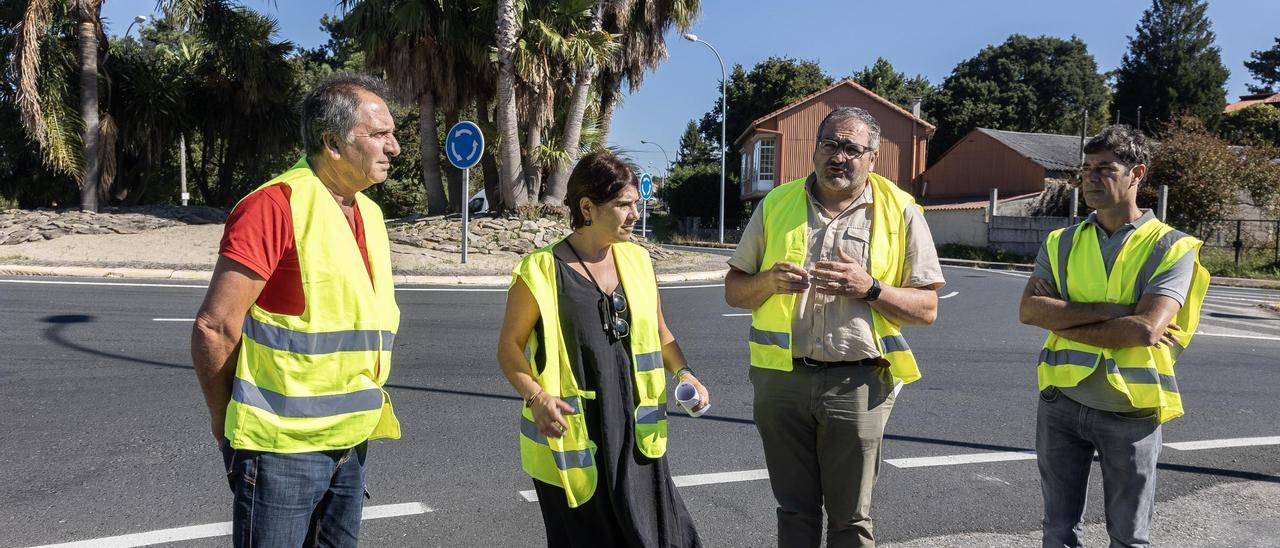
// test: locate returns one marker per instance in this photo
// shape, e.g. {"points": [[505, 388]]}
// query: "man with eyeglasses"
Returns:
{"points": [[1120, 295], [831, 266]]}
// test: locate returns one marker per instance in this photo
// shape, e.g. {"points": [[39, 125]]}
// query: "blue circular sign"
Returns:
{"points": [[464, 145], [646, 186]]}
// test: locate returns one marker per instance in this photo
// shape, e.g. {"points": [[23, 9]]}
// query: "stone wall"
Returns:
{"points": [[32, 225]]}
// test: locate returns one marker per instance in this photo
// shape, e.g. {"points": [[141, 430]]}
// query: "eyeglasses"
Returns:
{"points": [[611, 309], [851, 149]]}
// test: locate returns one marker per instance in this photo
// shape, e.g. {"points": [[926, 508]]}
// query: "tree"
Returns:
{"points": [[600, 46], [694, 149], [514, 193], [769, 85], [1253, 125], [1205, 175], [642, 32], [425, 50], [1265, 67], [883, 80], [1025, 84], [47, 121], [1172, 67]]}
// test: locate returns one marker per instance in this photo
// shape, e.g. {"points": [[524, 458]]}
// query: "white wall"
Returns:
{"points": [[958, 226]]}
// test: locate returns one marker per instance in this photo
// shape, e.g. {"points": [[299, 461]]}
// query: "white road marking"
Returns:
{"points": [[691, 480], [736, 314], [440, 289], [720, 477], [1218, 444], [968, 458], [943, 460], [1006, 272], [456, 289], [949, 295], [173, 319], [1257, 337], [125, 284], [221, 529]]}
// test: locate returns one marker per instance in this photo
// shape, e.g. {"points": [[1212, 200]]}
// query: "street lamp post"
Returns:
{"points": [[723, 119], [667, 169]]}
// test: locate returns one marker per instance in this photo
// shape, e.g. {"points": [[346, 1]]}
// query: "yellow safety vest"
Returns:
{"points": [[786, 235], [314, 382], [1143, 373], [569, 461]]}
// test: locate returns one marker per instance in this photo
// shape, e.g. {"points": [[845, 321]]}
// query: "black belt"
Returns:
{"points": [[809, 362]]}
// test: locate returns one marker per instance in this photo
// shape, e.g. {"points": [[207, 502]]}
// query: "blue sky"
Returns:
{"points": [[926, 37]]}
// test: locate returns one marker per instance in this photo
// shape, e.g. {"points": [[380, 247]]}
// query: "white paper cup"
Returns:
{"points": [[687, 397]]}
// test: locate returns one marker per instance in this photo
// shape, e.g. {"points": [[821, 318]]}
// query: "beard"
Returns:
{"points": [[838, 183]]}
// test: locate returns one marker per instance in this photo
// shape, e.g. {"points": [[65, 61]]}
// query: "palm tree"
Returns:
{"points": [[508, 26], [46, 121], [584, 62], [643, 46]]}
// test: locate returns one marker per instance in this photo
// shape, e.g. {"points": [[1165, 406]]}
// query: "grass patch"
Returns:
{"points": [[1254, 264], [974, 253]]}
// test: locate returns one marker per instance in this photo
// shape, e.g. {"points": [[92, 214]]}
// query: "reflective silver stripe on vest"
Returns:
{"points": [[894, 343], [650, 414], [564, 459], [1175, 350], [1153, 261], [305, 407], [574, 402], [1068, 357], [1148, 375], [1064, 251], [649, 361], [771, 338], [299, 342]]}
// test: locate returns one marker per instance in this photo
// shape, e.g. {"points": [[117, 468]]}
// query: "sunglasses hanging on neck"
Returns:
{"points": [[612, 306]]}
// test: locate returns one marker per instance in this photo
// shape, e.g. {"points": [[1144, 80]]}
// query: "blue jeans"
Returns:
{"points": [[1128, 446], [296, 499]]}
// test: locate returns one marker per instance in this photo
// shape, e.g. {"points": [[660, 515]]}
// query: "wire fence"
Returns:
{"points": [[1243, 239]]}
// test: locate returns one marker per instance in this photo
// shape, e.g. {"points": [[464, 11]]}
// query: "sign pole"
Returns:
{"points": [[463, 146], [466, 211], [644, 216]]}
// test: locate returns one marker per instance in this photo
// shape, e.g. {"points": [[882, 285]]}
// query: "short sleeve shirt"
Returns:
{"points": [[259, 235], [1095, 390], [829, 327]]}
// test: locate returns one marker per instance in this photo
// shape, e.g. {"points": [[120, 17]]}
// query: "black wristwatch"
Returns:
{"points": [[874, 292]]}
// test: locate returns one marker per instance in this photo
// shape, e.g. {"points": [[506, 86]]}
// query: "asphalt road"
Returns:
{"points": [[105, 432]]}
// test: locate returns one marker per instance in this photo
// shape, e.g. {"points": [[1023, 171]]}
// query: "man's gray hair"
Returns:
{"points": [[854, 113], [331, 107], [1127, 144]]}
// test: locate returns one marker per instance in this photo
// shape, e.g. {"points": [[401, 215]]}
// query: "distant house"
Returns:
{"points": [[1246, 101], [778, 147], [1012, 162]]}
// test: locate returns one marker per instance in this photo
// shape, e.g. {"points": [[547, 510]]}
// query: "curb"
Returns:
{"points": [[204, 275]]}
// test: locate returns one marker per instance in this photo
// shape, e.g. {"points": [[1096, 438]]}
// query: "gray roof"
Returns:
{"points": [[1054, 152]]}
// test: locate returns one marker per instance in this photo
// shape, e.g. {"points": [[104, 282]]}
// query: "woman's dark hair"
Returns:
{"points": [[600, 177]]}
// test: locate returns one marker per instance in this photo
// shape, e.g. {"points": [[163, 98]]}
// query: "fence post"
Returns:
{"points": [[1075, 203], [1238, 244], [995, 202], [1163, 209], [1277, 257]]}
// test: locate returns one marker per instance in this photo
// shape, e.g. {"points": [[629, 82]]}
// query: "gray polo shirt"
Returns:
{"points": [[1095, 390]]}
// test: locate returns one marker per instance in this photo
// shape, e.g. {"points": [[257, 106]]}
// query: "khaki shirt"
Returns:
{"points": [[829, 327]]}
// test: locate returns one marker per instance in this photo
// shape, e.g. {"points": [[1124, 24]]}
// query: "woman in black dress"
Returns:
{"points": [[593, 430]]}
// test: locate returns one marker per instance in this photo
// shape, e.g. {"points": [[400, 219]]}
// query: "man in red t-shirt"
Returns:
{"points": [[297, 496]]}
